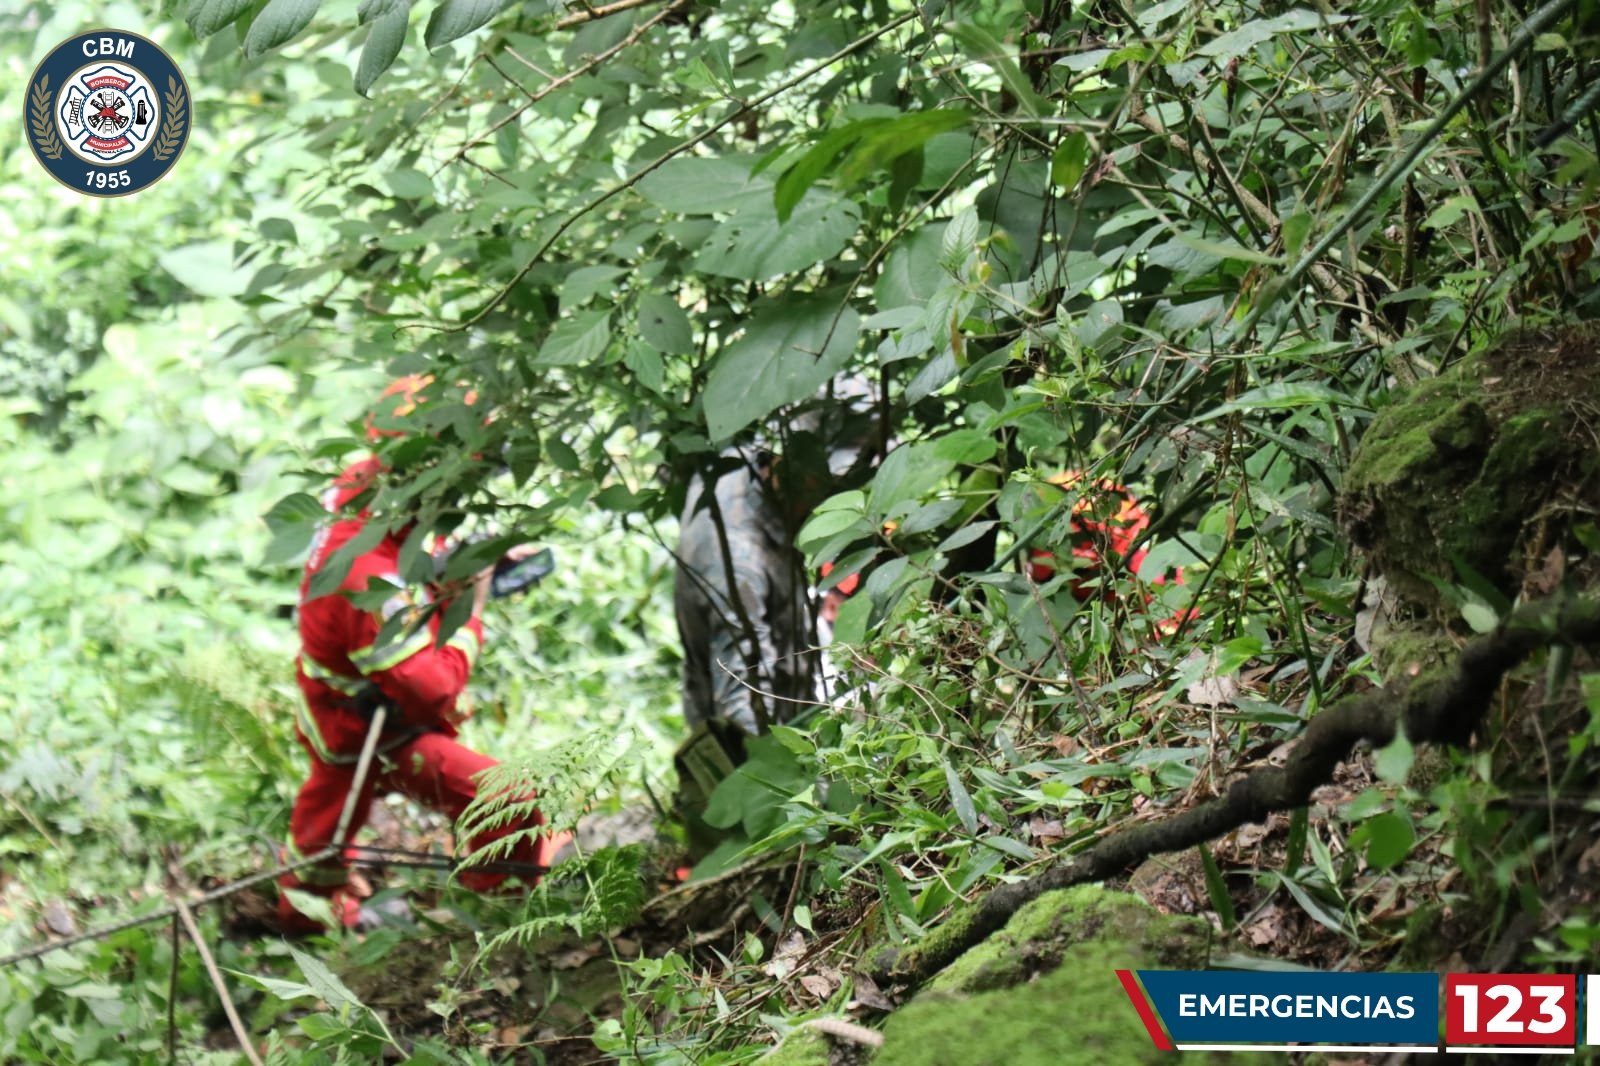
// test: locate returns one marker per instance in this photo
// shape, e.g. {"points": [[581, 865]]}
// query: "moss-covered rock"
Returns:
{"points": [[802, 1047], [1484, 463], [1043, 991], [1051, 928]]}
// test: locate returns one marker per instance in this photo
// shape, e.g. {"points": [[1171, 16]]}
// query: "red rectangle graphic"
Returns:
{"points": [[1511, 1009]]}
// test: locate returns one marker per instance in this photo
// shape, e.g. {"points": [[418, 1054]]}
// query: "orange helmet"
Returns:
{"points": [[846, 587], [407, 388], [1105, 516]]}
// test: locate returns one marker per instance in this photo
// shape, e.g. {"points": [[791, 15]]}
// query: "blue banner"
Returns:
{"points": [[1237, 1007]]}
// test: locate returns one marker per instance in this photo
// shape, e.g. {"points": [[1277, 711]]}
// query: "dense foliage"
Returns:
{"points": [[1180, 246]]}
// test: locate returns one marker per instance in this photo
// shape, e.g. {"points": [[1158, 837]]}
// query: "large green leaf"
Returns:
{"points": [[696, 186], [663, 323], [872, 143], [206, 17], [754, 245], [1257, 31], [206, 268], [384, 40], [911, 274], [983, 46], [457, 18], [278, 23], [579, 339], [789, 349]]}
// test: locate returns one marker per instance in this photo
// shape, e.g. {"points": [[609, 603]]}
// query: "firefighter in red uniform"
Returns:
{"points": [[1106, 522], [344, 671]]}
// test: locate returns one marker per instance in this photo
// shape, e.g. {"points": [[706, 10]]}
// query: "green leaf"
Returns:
{"points": [[206, 17], [789, 349], [1217, 890], [457, 18], [1257, 31], [1296, 228], [904, 174], [965, 447], [384, 41], [961, 800], [809, 168], [1319, 911], [881, 145], [1010, 846], [284, 990], [754, 246], [981, 45], [664, 325], [1280, 396], [408, 183], [370, 10], [328, 986], [580, 286], [696, 186], [317, 908], [277, 24], [1394, 759], [1069, 161], [1389, 840], [1229, 250], [580, 339], [911, 274], [823, 525], [802, 917], [205, 269], [1480, 616], [1295, 848], [293, 521]]}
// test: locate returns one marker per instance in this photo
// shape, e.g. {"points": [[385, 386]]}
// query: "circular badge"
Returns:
{"points": [[107, 113]]}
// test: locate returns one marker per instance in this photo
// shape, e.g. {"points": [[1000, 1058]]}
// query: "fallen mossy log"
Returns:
{"points": [[1444, 707]]}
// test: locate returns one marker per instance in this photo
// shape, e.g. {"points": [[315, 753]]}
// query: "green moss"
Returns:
{"points": [[1045, 932], [908, 960], [1470, 464], [1075, 1014], [1407, 650], [802, 1047]]}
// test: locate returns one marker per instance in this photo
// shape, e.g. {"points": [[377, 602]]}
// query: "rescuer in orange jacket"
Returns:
{"points": [[344, 670]]}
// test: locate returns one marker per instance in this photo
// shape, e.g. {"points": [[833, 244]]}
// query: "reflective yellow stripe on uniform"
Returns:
{"points": [[348, 686], [308, 726], [371, 659], [466, 641]]}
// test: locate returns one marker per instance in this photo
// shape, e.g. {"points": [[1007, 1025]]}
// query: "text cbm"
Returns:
{"points": [[108, 46]]}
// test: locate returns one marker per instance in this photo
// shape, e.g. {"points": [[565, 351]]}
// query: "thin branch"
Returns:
{"points": [[239, 1031], [587, 67], [1537, 23], [590, 14], [661, 160], [1443, 707]]}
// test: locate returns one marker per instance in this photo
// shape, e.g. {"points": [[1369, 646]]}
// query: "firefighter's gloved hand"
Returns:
{"points": [[462, 710], [375, 914]]}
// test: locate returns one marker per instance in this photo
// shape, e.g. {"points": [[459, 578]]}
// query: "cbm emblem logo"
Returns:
{"points": [[107, 113]]}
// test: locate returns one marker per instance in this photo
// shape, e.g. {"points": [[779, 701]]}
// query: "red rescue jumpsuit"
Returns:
{"points": [[1105, 519], [418, 754]]}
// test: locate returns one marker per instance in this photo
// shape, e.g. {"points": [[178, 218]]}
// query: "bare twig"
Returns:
{"points": [[239, 1031], [1536, 24], [662, 160], [838, 1027], [1443, 707], [587, 67], [591, 13]]}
